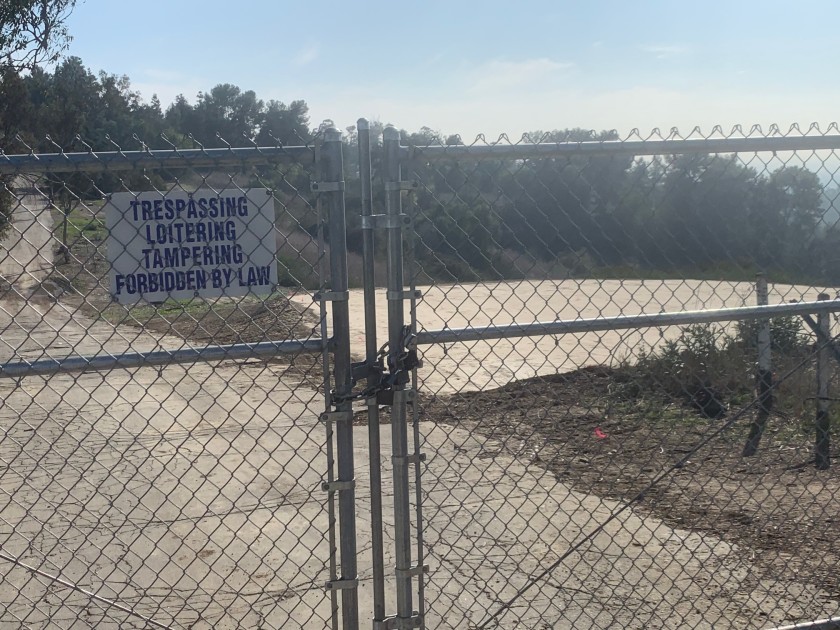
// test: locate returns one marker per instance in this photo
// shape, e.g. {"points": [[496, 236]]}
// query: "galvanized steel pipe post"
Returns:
{"points": [[332, 186], [371, 351], [764, 376], [399, 424]]}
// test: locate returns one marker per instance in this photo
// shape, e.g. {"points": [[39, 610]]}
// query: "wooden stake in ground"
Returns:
{"points": [[823, 442], [764, 376]]}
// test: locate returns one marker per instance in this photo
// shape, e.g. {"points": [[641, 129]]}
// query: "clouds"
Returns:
{"points": [[664, 51], [306, 55], [502, 75]]}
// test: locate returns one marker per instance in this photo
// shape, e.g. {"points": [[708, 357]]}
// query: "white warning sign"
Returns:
{"points": [[181, 245]]}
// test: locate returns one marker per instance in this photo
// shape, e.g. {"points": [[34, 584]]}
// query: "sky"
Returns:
{"points": [[486, 67]]}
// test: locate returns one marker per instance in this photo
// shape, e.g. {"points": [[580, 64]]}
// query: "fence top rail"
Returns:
{"points": [[623, 322], [93, 161], [522, 150]]}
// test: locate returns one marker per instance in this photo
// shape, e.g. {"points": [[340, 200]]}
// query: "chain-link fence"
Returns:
{"points": [[162, 448], [612, 438], [604, 397]]}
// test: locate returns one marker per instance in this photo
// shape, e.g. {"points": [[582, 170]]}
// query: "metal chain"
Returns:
{"points": [[399, 368]]}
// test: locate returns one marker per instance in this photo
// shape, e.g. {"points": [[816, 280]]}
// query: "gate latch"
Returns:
{"points": [[397, 374]]}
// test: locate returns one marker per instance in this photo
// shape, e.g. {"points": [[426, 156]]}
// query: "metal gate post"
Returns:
{"points": [[371, 352], [399, 423], [332, 185]]}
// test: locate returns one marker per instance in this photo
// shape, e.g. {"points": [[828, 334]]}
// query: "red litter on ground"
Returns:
{"points": [[600, 434]]}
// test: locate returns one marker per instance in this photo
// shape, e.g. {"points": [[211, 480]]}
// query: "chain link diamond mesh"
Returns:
{"points": [[184, 489], [599, 479], [604, 431]]}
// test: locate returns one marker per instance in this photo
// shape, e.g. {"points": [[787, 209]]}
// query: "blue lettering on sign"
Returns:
{"points": [[142, 283], [254, 276], [207, 255], [190, 245], [185, 232]]}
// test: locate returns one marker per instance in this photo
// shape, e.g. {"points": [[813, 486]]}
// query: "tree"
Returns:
{"points": [[15, 105], [178, 114], [73, 101], [561, 206], [704, 216], [288, 125], [227, 111], [33, 32]]}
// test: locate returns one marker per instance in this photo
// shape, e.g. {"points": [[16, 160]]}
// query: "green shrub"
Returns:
{"points": [[786, 334], [704, 367]]}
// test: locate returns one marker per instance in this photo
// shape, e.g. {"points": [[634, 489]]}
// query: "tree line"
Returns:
{"points": [[59, 109], [691, 215], [686, 214]]}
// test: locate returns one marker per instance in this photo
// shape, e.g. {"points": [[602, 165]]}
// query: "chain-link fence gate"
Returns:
{"points": [[165, 459], [590, 411]]}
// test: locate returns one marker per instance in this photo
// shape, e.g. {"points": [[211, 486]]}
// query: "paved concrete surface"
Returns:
{"points": [[191, 494], [26, 251]]}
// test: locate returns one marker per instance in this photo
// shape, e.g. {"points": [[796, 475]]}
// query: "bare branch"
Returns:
{"points": [[33, 32]]}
